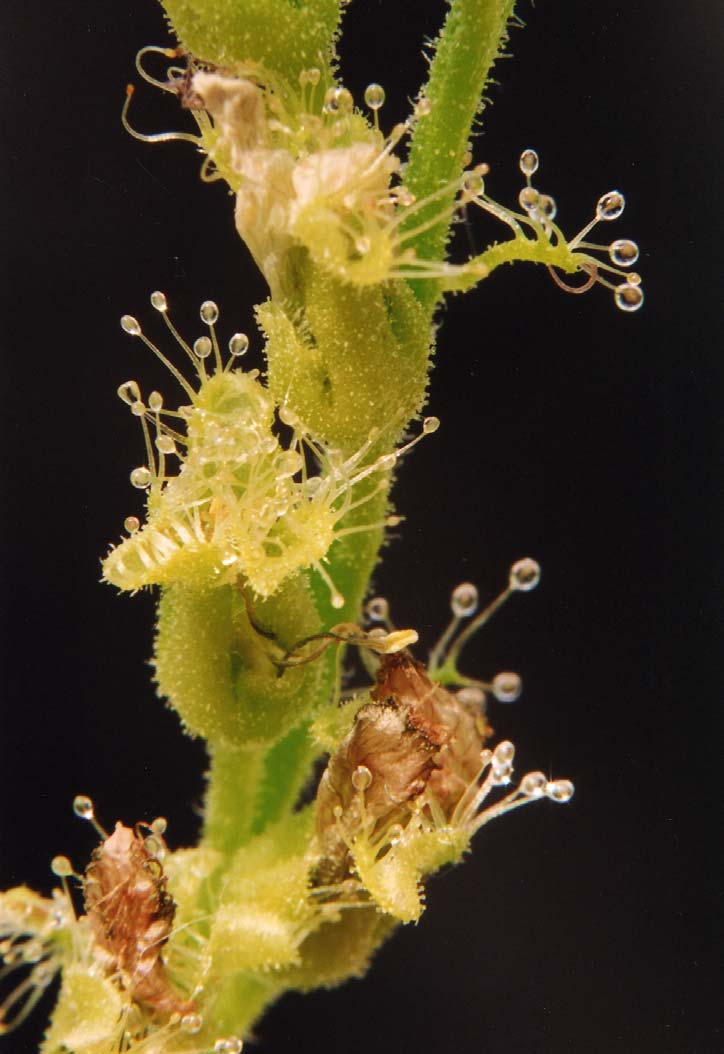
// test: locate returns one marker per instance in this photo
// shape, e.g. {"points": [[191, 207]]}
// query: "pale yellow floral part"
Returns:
{"points": [[243, 505], [88, 1017], [318, 178]]}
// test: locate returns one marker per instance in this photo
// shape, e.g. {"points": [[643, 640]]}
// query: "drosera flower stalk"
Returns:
{"points": [[267, 500]]}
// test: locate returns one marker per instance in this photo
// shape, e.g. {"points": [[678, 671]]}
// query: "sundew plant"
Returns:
{"points": [[346, 766]]}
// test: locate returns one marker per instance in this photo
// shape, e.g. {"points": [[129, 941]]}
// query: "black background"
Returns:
{"points": [[571, 432]]}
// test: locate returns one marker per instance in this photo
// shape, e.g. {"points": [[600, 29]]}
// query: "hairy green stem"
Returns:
{"points": [[469, 43], [231, 800]]}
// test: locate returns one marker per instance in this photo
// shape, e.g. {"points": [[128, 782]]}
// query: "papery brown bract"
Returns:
{"points": [[414, 737], [131, 915]]}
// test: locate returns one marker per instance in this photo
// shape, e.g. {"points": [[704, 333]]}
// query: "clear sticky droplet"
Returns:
{"points": [[165, 444], [361, 778], [610, 206], [471, 696], [395, 833], [430, 425], [209, 312], [191, 1023], [131, 524], [158, 300], [238, 345], [394, 521], [155, 402], [228, 1046], [129, 392], [464, 600], [473, 182], [623, 252], [153, 847], [345, 102], [337, 601], [61, 866], [507, 687], [159, 826], [141, 477], [504, 753], [286, 416], [377, 609], [203, 347], [130, 325], [374, 96], [629, 296], [560, 790], [547, 205], [529, 162], [339, 101], [534, 784], [525, 575], [83, 807], [528, 198]]}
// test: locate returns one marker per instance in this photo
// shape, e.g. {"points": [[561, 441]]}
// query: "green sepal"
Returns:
{"points": [[355, 358], [85, 1019], [282, 36], [340, 949], [216, 667]]}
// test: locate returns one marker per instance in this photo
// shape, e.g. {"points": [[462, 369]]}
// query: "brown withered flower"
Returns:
{"points": [[131, 915], [413, 737]]}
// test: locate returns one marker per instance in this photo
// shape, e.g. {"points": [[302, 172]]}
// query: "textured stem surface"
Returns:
{"points": [[469, 43]]}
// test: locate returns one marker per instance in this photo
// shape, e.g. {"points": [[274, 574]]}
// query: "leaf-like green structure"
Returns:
{"points": [[282, 36]]}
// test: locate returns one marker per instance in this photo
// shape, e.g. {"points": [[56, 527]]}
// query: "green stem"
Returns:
{"points": [[231, 798], [469, 42], [287, 768]]}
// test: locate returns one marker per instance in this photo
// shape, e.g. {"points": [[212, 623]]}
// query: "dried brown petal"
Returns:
{"points": [[131, 915], [414, 737]]}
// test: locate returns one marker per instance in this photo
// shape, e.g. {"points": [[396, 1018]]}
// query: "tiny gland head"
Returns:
{"points": [[525, 575], [374, 96], [529, 162], [464, 600], [507, 687]]}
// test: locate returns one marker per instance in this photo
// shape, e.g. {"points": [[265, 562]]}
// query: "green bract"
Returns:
{"points": [[281, 36]]}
